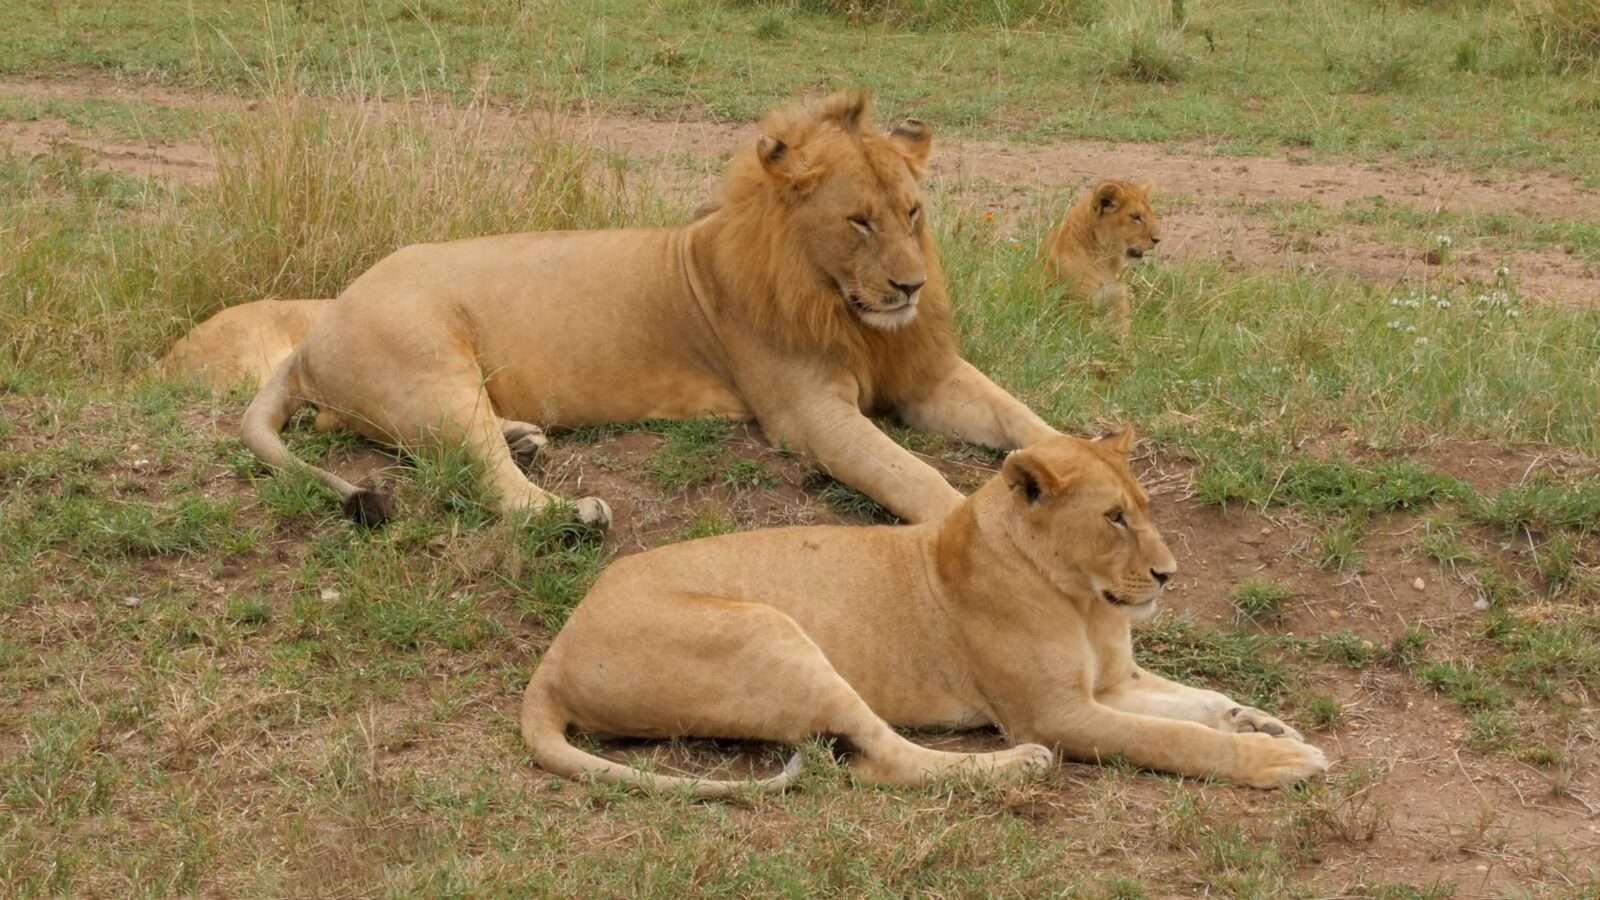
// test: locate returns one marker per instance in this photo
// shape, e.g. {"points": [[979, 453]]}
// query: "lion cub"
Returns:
{"points": [[1012, 611], [1109, 225]]}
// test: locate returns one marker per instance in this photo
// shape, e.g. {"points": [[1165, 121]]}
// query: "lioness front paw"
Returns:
{"points": [[1268, 762], [1245, 719], [594, 512], [526, 442], [1032, 757]]}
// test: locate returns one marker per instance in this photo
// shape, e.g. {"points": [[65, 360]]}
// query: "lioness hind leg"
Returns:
{"points": [[710, 667]]}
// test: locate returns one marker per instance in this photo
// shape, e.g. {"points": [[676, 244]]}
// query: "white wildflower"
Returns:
{"points": [[1443, 240], [1442, 303]]}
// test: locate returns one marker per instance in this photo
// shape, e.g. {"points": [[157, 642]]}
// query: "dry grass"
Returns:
{"points": [[97, 271]]}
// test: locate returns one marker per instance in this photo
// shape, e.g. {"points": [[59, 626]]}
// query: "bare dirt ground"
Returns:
{"points": [[1010, 180], [1485, 821]]}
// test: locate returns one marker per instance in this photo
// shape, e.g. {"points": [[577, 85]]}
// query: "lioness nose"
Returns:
{"points": [[907, 289], [1160, 577]]}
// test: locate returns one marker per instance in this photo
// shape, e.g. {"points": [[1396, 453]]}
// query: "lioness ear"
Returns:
{"points": [[914, 139], [1030, 479], [1145, 188], [1107, 196], [1122, 441]]}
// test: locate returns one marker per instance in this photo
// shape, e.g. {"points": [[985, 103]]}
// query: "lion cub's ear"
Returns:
{"points": [[784, 164], [1107, 197], [1031, 478], [914, 139], [1122, 441]]}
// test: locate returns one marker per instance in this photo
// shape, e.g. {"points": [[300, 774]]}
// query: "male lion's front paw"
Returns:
{"points": [[1267, 762], [1245, 719], [594, 512]]}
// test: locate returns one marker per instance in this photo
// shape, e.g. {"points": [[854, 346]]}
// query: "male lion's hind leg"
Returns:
{"points": [[526, 442], [472, 419]]}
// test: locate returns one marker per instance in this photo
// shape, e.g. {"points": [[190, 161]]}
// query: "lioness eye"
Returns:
{"points": [[915, 211], [1116, 518], [1138, 218], [862, 224]]}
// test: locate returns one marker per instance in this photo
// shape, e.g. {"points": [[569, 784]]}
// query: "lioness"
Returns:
{"points": [[1013, 610], [241, 344], [811, 296], [1109, 225]]}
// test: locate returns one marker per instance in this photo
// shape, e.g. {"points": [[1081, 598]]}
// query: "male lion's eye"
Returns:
{"points": [[862, 224], [1116, 518]]}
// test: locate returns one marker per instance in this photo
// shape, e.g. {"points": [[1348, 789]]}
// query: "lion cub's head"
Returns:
{"points": [[1080, 517], [1123, 222], [841, 205]]}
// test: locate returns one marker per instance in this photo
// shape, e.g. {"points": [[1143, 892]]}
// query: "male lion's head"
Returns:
{"points": [[1124, 223], [1082, 519], [846, 203]]}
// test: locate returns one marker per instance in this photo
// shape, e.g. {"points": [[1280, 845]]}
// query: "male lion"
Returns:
{"points": [[1109, 225], [1014, 611], [241, 344], [810, 296]]}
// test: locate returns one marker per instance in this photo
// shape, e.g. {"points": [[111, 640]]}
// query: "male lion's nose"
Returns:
{"points": [[907, 289], [1160, 577]]}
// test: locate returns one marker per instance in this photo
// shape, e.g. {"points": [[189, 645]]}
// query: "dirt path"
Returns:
{"points": [[1011, 180]]}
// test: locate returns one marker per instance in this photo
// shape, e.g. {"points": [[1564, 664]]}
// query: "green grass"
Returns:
{"points": [[690, 453], [1240, 665], [110, 118], [1259, 601], [1473, 83]]}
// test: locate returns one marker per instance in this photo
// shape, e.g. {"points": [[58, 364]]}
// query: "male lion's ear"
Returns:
{"points": [[848, 109], [1107, 196], [914, 139], [1030, 478], [1122, 441], [783, 163]]}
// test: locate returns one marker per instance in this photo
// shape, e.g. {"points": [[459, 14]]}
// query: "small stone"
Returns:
{"points": [[1481, 605], [1266, 530], [329, 595], [131, 601], [1335, 615], [1419, 584]]}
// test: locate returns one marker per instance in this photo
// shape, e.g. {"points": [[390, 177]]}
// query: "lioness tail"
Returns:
{"points": [[264, 419], [545, 733]]}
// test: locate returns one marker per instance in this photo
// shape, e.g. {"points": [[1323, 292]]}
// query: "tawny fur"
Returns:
{"points": [[1110, 224], [241, 345], [1013, 610], [807, 297]]}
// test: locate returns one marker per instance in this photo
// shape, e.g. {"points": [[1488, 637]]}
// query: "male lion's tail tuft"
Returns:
{"points": [[368, 507], [261, 429], [544, 730]]}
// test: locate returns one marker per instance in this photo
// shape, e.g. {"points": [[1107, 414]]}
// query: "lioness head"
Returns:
{"points": [[853, 202], [1081, 518], [1124, 220]]}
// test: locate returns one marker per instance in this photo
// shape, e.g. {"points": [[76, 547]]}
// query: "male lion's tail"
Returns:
{"points": [[265, 417], [544, 730]]}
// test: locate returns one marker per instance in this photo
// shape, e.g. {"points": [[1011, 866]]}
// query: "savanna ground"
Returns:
{"points": [[1366, 365]]}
